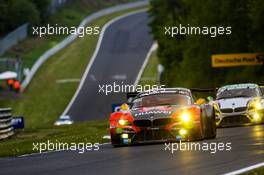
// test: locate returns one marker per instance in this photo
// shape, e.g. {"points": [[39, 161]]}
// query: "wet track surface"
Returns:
{"points": [[124, 48], [247, 149]]}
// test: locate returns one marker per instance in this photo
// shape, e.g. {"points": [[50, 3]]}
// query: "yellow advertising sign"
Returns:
{"points": [[243, 59]]}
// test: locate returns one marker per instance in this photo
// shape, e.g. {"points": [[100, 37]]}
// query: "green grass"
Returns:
{"points": [[150, 74], [86, 132], [258, 171], [45, 100]]}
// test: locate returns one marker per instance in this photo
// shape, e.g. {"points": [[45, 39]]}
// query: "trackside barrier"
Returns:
{"points": [[72, 37], [6, 128], [13, 38]]}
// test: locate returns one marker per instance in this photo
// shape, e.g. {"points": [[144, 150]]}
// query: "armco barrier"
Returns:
{"points": [[6, 128], [71, 38], [13, 38]]}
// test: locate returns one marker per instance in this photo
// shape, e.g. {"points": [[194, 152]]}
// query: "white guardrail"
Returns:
{"points": [[6, 128], [71, 38], [12, 38]]}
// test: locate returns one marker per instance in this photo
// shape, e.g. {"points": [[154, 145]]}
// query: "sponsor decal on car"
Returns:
{"points": [[152, 112]]}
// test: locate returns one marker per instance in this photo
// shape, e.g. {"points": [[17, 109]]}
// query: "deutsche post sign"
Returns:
{"points": [[230, 60]]}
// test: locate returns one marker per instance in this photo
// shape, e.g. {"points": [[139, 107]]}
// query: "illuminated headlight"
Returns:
{"points": [[183, 132], [123, 122], [256, 117], [256, 104], [124, 136], [185, 117]]}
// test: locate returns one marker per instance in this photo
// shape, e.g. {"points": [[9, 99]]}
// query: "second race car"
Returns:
{"points": [[239, 104], [162, 115]]}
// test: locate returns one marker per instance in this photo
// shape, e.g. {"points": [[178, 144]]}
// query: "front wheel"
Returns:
{"points": [[208, 122], [212, 123]]}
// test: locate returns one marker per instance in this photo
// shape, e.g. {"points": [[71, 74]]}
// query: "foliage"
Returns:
{"points": [[187, 58], [15, 13]]}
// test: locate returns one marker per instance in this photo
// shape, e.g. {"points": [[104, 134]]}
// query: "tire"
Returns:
{"points": [[202, 126], [214, 132], [209, 121], [210, 124]]}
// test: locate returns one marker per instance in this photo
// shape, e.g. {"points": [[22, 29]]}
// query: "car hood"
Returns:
{"points": [[153, 112], [233, 102]]}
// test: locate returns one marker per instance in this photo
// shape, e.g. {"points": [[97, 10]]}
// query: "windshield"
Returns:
{"points": [[235, 93], [162, 99]]}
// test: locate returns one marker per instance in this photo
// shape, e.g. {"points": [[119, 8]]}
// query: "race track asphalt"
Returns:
{"points": [[247, 149], [124, 48]]}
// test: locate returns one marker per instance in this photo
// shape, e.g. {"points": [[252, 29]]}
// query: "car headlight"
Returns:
{"points": [[256, 104], [256, 117], [123, 122], [124, 136], [183, 132], [185, 117]]}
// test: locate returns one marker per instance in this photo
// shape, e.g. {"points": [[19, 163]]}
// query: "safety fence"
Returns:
{"points": [[13, 38], [11, 64], [6, 128]]}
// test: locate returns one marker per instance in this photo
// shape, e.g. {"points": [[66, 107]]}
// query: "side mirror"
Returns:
{"points": [[210, 98], [124, 107]]}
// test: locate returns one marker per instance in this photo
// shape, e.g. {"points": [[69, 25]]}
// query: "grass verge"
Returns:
{"points": [[258, 171], [22, 142], [45, 99], [150, 74]]}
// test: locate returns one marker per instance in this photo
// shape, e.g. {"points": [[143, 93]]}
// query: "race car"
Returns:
{"points": [[239, 104], [162, 115]]}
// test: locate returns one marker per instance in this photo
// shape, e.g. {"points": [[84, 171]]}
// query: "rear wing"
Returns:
{"points": [[131, 94], [212, 90]]}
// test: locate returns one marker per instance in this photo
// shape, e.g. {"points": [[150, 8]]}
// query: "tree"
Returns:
{"points": [[3, 17], [20, 12], [43, 8], [187, 59]]}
